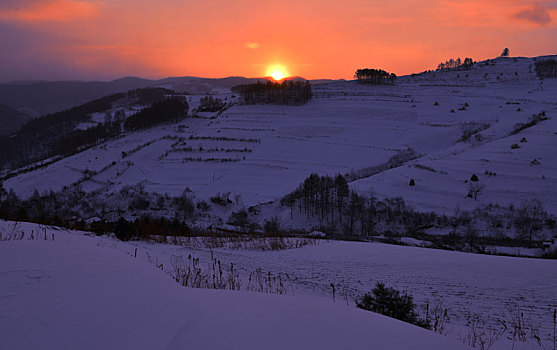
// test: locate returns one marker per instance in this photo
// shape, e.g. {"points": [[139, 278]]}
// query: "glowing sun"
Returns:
{"points": [[277, 71]]}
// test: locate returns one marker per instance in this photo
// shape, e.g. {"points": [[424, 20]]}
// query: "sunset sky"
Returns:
{"points": [[107, 39]]}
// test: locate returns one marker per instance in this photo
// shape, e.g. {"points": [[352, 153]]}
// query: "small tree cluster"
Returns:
{"points": [[148, 96], [272, 226], [222, 199], [239, 218], [320, 195], [392, 303], [458, 63], [289, 92], [210, 104], [331, 201], [374, 76]]}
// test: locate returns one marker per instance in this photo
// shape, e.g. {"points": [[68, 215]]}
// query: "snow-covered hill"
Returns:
{"points": [[262, 152], [73, 291], [497, 121]]}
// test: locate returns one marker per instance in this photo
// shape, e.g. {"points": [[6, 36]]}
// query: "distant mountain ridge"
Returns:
{"points": [[39, 98], [36, 98]]}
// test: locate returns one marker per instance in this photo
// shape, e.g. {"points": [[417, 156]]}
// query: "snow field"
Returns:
{"points": [[79, 292], [471, 287]]}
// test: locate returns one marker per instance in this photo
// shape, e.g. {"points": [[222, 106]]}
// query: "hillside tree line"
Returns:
{"points": [[56, 134], [329, 201], [170, 110], [35, 140]]}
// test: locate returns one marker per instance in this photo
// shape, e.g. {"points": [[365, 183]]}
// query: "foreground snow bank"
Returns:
{"points": [[72, 293]]}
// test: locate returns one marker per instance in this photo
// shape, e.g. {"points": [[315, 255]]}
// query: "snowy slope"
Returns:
{"points": [[75, 293], [263, 152], [471, 287]]}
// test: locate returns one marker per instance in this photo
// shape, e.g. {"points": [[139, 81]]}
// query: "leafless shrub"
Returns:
{"points": [[213, 160], [395, 161], [261, 282], [471, 128], [15, 233], [438, 317], [224, 138], [425, 167], [242, 242], [480, 336], [533, 120], [189, 273], [520, 328]]}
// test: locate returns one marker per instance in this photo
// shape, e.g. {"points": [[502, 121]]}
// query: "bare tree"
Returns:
{"points": [[530, 218], [107, 118], [475, 189]]}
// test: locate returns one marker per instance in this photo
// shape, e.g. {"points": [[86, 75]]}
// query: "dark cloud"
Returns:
{"points": [[535, 14], [29, 55], [48, 10], [18, 4]]}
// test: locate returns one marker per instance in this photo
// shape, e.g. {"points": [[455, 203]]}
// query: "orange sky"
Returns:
{"points": [[105, 39]]}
